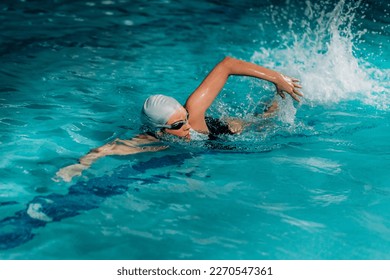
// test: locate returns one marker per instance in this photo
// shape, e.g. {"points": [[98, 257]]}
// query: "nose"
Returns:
{"points": [[187, 126]]}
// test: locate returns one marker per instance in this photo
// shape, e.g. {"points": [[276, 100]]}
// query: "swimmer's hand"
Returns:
{"points": [[67, 173], [236, 126], [289, 85]]}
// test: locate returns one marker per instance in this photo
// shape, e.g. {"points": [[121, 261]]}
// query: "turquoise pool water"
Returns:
{"points": [[312, 183]]}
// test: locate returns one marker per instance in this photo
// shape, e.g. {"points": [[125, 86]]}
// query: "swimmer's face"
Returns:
{"points": [[179, 118]]}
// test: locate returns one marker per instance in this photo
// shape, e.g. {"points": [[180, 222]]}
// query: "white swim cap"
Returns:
{"points": [[158, 109]]}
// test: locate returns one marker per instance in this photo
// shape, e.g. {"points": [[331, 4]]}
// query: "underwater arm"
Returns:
{"points": [[116, 147]]}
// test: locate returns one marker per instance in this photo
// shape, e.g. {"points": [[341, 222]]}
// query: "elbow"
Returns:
{"points": [[228, 64], [227, 60]]}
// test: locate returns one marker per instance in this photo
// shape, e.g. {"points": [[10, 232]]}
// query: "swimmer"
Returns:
{"points": [[164, 115]]}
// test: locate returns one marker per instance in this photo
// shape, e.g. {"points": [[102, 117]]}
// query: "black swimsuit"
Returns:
{"points": [[217, 127]]}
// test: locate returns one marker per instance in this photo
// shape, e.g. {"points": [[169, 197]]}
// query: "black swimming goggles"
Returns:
{"points": [[176, 125]]}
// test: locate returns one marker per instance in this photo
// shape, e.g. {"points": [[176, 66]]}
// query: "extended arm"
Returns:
{"points": [[117, 147], [202, 98]]}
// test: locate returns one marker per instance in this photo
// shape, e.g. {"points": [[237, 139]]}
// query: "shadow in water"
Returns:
{"points": [[82, 196]]}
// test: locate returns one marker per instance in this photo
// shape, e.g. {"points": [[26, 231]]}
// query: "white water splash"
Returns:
{"points": [[287, 111], [323, 57]]}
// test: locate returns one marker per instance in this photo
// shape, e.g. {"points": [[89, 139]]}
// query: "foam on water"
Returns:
{"points": [[320, 51]]}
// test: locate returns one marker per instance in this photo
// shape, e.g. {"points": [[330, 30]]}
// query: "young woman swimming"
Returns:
{"points": [[165, 115]]}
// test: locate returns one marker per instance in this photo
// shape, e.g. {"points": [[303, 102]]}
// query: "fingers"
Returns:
{"points": [[290, 79], [294, 94], [291, 88], [61, 176], [56, 178], [281, 93], [295, 98], [297, 92], [294, 83], [297, 85]]}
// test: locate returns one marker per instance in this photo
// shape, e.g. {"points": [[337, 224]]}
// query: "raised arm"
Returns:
{"points": [[116, 147], [202, 98]]}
